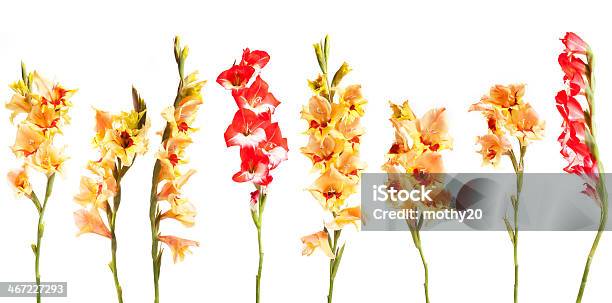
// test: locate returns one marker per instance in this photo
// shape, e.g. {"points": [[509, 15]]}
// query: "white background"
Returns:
{"points": [[444, 53]]}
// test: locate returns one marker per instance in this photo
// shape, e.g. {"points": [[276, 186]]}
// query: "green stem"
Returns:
{"points": [[334, 264], [518, 169], [416, 239], [426, 283], [112, 223], [603, 197], [153, 217], [258, 224], [516, 266], [41, 229]]}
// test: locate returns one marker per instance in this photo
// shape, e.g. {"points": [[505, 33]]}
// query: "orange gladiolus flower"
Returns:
{"points": [[505, 96], [90, 221], [525, 124], [349, 215], [323, 150], [179, 246], [48, 159], [29, 138], [19, 181], [493, 147], [332, 188], [181, 210], [314, 241]]}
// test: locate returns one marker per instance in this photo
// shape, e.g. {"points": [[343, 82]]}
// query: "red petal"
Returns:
{"points": [[257, 58], [236, 77]]}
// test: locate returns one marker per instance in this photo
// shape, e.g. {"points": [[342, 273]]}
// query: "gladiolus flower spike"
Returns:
{"points": [[576, 104], [416, 155], [119, 138], [262, 146], [509, 116], [334, 132], [44, 106], [168, 178]]}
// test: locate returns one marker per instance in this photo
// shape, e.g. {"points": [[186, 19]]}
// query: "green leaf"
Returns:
{"points": [[33, 248], [337, 260], [509, 229], [329, 241], [514, 201]]}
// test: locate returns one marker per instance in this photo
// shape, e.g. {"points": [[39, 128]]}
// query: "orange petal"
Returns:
{"points": [[89, 221], [178, 246]]}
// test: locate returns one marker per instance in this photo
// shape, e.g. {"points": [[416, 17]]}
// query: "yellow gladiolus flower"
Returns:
{"points": [[48, 159], [353, 100], [127, 138]]}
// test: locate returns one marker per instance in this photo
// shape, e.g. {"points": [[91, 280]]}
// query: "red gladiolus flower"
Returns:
{"points": [[574, 69], [257, 58], [275, 146], [254, 167], [262, 146], [247, 129], [573, 137], [256, 97], [575, 44], [569, 107], [236, 77]]}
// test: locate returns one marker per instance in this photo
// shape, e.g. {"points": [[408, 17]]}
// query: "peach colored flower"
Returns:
{"points": [[21, 101], [323, 150], [104, 122], [178, 246], [349, 163], [20, 182], [505, 96], [349, 215], [94, 192], [433, 130], [353, 100], [493, 147], [48, 159], [90, 221], [29, 138], [314, 241], [173, 187], [181, 210], [350, 128], [525, 124], [45, 116], [332, 188]]}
